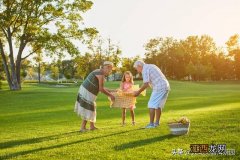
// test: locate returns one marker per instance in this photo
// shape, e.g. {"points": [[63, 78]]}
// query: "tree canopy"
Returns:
{"points": [[48, 26], [194, 58]]}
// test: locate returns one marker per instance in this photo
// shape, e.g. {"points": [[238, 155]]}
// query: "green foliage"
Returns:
{"points": [[83, 65], [54, 72], [29, 20], [127, 65], [24, 67], [45, 27], [234, 51], [99, 51], [68, 68], [195, 58], [199, 71]]}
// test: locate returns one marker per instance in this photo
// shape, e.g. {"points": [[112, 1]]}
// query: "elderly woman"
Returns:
{"points": [[152, 76], [85, 105]]}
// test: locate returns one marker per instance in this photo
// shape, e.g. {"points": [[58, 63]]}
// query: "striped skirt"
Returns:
{"points": [[85, 105]]}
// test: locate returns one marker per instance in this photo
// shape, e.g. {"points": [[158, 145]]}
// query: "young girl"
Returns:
{"points": [[125, 86]]}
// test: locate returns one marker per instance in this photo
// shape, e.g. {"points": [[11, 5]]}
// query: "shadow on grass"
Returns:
{"points": [[143, 142], [36, 140], [11, 144]]}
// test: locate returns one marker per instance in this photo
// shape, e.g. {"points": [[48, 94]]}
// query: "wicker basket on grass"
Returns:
{"points": [[179, 128]]}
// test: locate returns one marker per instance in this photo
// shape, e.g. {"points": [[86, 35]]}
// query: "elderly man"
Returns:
{"points": [[153, 77]]}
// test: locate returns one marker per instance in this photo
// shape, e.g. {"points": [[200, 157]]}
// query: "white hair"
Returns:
{"points": [[138, 63], [108, 63]]}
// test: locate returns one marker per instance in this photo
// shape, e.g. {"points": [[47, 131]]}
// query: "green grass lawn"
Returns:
{"points": [[39, 123]]}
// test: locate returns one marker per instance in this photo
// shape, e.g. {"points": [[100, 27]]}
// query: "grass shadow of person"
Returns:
{"points": [[143, 142], [14, 155], [10, 144]]}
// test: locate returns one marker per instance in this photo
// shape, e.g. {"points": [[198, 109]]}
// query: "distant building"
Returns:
{"points": [[45, 77]]}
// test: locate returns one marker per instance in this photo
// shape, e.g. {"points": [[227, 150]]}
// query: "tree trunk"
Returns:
{"points": [[12, 77], [5, 66], [39, 72], [15, 85], [15, 72], [19, 60], [12, 80], [18, 70], [237, 65], [114, 75]]}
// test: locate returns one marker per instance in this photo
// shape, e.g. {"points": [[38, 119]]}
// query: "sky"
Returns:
{"points": [[131, 23]]}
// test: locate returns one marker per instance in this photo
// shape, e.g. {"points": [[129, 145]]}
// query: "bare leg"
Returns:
{"points": [[83, 126], [123, 116], [133, 116], [158, 115], [151, 115]]}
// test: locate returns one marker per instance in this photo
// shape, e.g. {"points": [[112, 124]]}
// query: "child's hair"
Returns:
{"points": [[130, 74]]}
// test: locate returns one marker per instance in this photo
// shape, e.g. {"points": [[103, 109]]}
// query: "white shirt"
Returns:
{"points": [[153, 75]]}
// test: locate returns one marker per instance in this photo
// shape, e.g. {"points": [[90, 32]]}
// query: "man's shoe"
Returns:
{"points": [[150, 126]]}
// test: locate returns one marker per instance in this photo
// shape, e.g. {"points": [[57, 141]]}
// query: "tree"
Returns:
{"points": [[233, 45], [1, 72], [153, 51], [54, 72], [198, 53], [179, 59], [83, 65], [127, 65], [68, 68], [40, 68], [116, 59], [24, 67], [98, 51], [104, 50], [30, 72], [223, 67], [168, 54], [30, 24]]}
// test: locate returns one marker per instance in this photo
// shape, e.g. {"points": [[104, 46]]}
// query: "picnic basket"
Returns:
{"points": [[180, 127], [125, 99]]}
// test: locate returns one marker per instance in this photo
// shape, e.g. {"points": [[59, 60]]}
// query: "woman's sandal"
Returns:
{"points": [[92, 129], [84, 130]]}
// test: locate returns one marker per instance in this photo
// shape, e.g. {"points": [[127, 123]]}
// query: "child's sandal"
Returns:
{"points": [[123, 124], [83, 130]]}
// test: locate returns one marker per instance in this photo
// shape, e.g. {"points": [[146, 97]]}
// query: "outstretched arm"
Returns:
{"points": [[102, 89], [110, 90], [144, 86], [121, 85]]}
